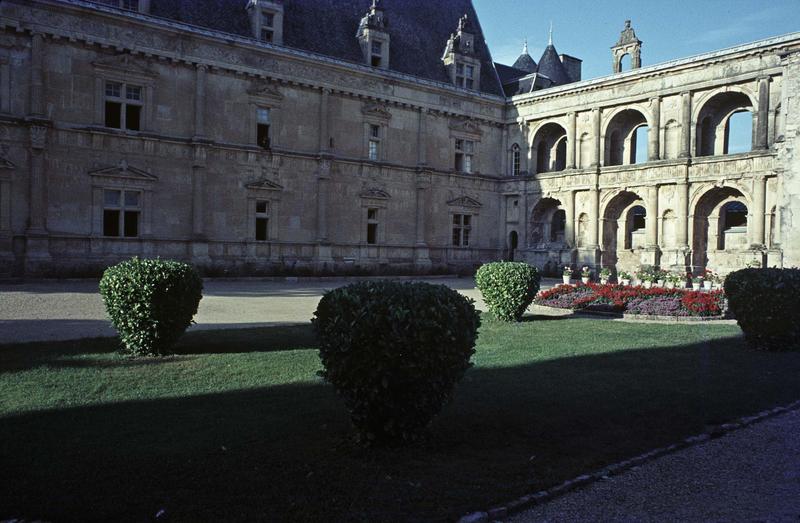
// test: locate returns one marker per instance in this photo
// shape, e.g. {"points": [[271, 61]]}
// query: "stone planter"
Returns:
{"points": [[584, 279], [660, 283], [670, 285], [695, 286], [707, 285], [565, 279], [603, 281], [647, 284], [625, 282]]}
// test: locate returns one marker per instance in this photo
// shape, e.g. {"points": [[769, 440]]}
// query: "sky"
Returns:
{"points": [[587, 29]]}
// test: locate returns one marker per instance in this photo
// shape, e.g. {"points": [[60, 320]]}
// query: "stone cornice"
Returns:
{"points": [[774, 44], [248, 43]]}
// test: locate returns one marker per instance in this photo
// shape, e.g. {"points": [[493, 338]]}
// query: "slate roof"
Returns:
{"points": [[418, 29], [550, 66], [525, 63]]}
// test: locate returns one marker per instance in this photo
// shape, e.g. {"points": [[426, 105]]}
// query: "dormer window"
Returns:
{"points": [[266, 20], [139, 6], [465, 75], [377, 53], [267, 26], [131, 5]]}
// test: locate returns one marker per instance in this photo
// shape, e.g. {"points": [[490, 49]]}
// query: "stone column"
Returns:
{"points": [[525, 148], [569, 211], [596, 137], [198, 191], [651, 222], [571, 124], [762, 118], [422, 260], [524, 241], [504, 164], [200, 100], [654, 135], [37, 247], [422, 137], [323, 176], [594, 218], [37, 82], [759, 211], [686, 125], [682, 215], [324, 135]]}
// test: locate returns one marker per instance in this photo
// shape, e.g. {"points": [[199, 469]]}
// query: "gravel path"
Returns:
{"points": [[53, 310], [751, 474]]}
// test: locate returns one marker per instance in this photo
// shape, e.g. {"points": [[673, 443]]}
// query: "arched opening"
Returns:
{"points": [[725, 125], [672, 136], [639, 145], [513, 242], [634, 227], [719, 227], [739, 133], [624, 222], [626, 130], [585, 151], [515, 160], [550, 143], [625, 62], [544, 223], [558, 225]]}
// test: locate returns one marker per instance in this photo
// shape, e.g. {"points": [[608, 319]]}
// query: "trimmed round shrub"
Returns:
{"points": [[508, 288], [151, 303], [394, 351], [764, 302]]}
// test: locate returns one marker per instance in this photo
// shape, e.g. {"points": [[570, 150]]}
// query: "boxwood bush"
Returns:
{"points": [[394, 351], [508, 288], [151, 302], [764, 302]]}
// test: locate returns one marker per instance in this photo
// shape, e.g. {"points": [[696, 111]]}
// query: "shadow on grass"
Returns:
{"points": [[283, 452], [69, 354]]}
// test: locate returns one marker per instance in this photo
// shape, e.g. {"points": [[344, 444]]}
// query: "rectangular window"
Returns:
{"points": [[121, 213], [465, 75], [262, 128], [515, 160], [372, 226], [374, 142], [377, 47], [465, 150], [131, 5], [462, 226], [267, 19], [262, 220], [123, 111]]}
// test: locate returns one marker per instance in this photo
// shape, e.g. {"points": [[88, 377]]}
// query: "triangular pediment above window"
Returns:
{"points": [[125, 64], [465, 201], [375, 194], [376, 111], [265, 91], [466, 127], [264, 185], [123, 170]]}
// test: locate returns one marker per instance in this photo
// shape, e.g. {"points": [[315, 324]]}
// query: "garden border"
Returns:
{"points": [[543, 496]]}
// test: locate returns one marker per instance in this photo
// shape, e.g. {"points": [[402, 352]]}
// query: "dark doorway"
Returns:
{"points": [[513, 241]]}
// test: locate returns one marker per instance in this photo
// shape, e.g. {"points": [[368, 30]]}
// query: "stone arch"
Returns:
{"points": [[541, 221], [549, 148], [672, 140], [620, 137], [720, 223], [623, 222], [712, 124]]}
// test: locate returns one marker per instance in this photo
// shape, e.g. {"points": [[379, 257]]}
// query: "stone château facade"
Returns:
{"points": [[260, 136]]}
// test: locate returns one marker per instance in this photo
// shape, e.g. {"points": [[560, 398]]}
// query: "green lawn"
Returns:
{"points": [[239, 427]]}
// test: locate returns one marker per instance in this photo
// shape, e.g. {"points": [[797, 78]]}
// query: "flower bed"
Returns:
{"points": [[634, 300]]}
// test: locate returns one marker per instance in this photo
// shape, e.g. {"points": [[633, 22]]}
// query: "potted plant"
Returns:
{"points": [[624, 278], [605, 274], [697, 281], [661, 277], [673, 279], [708, 279], [566, 275], [646, 275], [586, 273]]}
